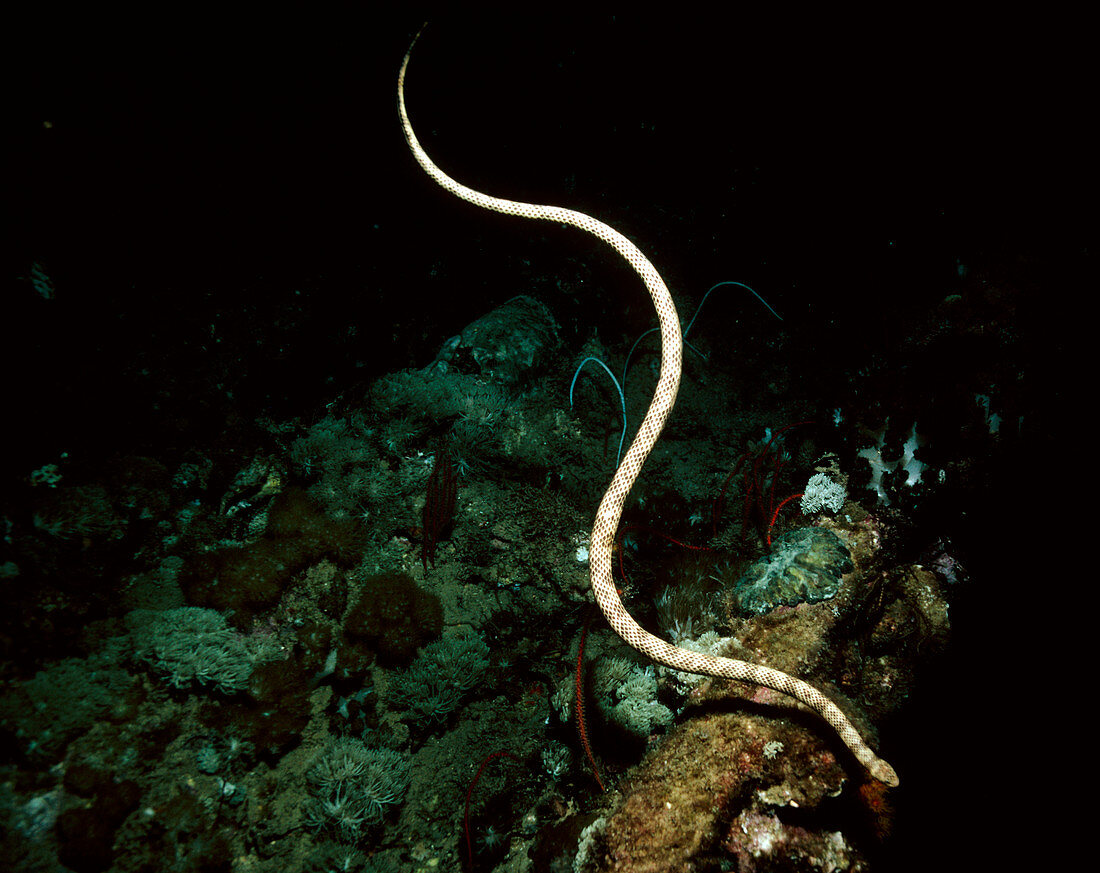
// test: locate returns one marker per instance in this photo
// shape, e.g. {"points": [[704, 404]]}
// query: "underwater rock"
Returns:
{"points": [[510, 345]]}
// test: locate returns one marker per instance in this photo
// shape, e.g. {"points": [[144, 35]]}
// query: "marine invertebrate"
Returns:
{"points": [[628, 698], [353, 786], [823, 493], [556, 759], [626, 364], [485, 841], [684, 611], [221, 752], [618, 387], [192, 645], [698, 309], [582, 726], [39, 717], [243, 581], [443, 673], [761, 468], [805, 566]]}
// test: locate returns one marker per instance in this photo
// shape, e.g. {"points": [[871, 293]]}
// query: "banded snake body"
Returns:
{"points": [[611, 507]]}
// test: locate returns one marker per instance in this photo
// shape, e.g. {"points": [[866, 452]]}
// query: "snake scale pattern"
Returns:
{"points": [[611, 507]]}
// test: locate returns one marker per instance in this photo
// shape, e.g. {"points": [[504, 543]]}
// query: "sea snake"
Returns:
{"points": [[611, 507]]}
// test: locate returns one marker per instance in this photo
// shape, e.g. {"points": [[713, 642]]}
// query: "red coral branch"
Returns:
{"points": [[759, 485], [582, 728], [470, 793], [775, 515]]}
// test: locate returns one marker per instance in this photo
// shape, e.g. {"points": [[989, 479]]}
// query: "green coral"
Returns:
{"points": [[441, 676], [193, 646], [43, 714], [353, 785], [83, 511], [420, 395], [340, 455]]}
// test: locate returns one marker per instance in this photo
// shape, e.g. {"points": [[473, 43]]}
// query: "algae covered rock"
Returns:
{"points": [[509, 345]]}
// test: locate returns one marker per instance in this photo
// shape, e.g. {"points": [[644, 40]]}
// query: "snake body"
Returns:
{"points": [[611, 507]]}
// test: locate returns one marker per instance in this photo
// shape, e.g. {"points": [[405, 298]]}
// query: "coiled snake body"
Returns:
{"points": [[611, 507]]}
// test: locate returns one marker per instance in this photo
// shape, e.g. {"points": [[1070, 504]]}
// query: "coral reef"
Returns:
{"points": [[305, 685], [247, 394], [744, 771]]}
